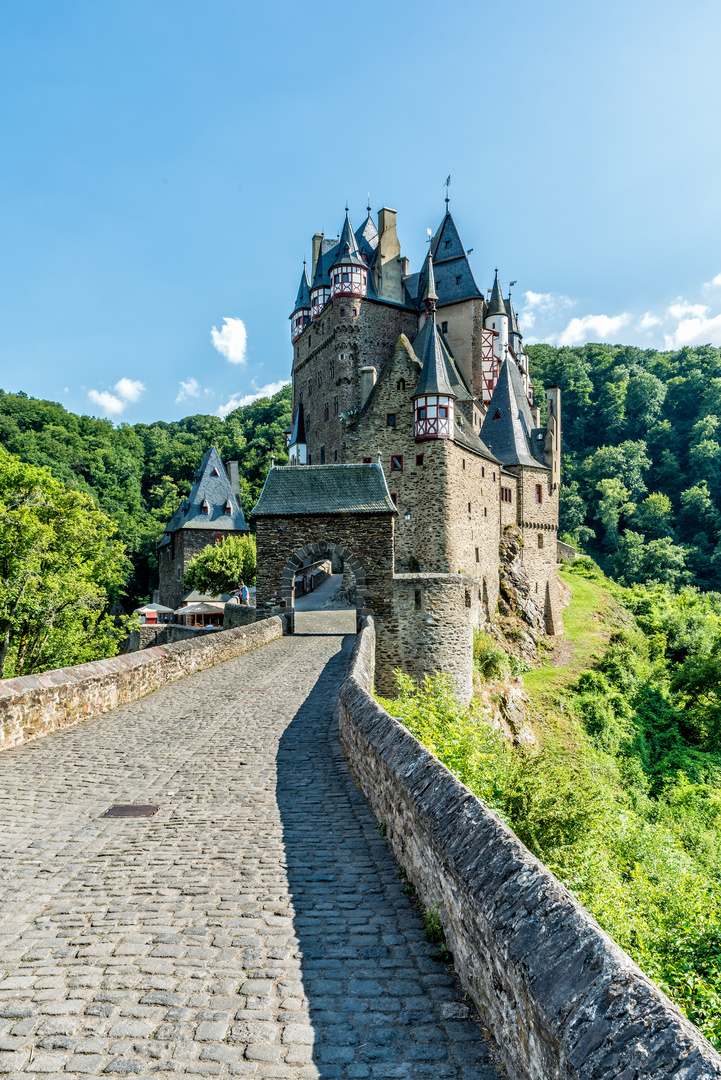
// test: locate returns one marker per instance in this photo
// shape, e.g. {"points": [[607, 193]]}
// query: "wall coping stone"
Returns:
{"points": [[562, 999], [34, 705]]}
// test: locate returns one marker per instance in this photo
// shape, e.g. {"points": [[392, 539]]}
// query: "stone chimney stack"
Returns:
{"points": [[234, 476], [536, 416], [389, 267], [552, 442], [317, 240], [368, 381]]}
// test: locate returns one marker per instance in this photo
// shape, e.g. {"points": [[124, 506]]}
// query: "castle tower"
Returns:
{"points": [[300, 316], [349, 271], [320, 288], [210, 513], [434, 397], [515, 348]]}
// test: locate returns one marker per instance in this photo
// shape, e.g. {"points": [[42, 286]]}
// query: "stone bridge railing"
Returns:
{"points": [[562, 1000], [35, 705]]}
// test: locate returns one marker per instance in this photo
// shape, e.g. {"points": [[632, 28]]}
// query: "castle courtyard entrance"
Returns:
{"points": [[312, 519]]}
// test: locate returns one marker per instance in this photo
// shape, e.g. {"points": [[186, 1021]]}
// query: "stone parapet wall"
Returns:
{"points": [[35, 705], [164, 634], [562, 999]]}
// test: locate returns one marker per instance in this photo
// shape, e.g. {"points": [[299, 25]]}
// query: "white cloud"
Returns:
{"points": [[188, 389], [237, 401], [125, 391], [591, 327], [648, 321], [715, 281], [543, 305], [681, 309], [695, 331], [230, 340]]}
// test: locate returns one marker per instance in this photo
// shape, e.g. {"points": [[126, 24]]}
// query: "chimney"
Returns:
{"points": [[368, 381], [232, 470], [536, 415], [388, 261], [317, 241], [552, 442]]}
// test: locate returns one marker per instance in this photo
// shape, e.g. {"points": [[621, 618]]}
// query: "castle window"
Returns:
{"points": [[310, 387], [540, 540], [394, 498], [217, 538], [332, 370], [335, 406], [228, 508], [417, 600], [444, 327], [401, 384], [494, 478], [320, 379], [483, 470], [346, 277], [322, 455], [506, 495], [539, 493], [310, 459], [367, 461], [390, 419], [463, 462], [396, 462], [458, 279], [177, 574], [497, 415], [215, 473], [205, 508], [536, 586], [478, 555], [448, 243], [443, 410], [335, 455], [485, 511], [342, 311], [468, 598], [325, 411], [355, 312], [419, 460]]}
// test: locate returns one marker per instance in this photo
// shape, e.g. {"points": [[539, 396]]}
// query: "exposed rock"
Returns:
{"points": [[515, 588]]}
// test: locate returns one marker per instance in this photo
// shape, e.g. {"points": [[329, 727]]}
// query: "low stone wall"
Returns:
{"points": [[561, 998], [165, 634], [564, 552], [240, 615], [35, 705]]}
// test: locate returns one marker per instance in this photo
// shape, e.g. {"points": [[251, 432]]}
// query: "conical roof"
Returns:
{"points": [[429, 292], [302, 300], [211, 486], [434, 373], [456, 380], [508, 429], [298, 435], [348, 251], [319, 277], [512, 320], [496, 305], [367, 235]]}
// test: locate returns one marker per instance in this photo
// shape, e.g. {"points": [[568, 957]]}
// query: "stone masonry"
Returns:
{"points": [[256, 926]]}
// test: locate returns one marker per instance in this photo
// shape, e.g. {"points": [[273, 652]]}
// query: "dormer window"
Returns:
{"points": [[448, 243], [215, 473], [228, 508], [205, 508]]}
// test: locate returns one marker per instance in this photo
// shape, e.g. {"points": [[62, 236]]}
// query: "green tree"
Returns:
{"points": [[59, 565], [612, 504], [220, 568], [654, 517]]}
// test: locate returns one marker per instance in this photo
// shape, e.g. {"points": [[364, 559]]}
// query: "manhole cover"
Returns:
{"points": [[131, 810]]}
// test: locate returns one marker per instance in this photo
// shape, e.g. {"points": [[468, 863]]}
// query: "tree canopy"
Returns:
{"points": [[221, 568]]}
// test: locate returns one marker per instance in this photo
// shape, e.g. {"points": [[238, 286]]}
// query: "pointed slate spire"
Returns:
{"points": [[298, 435], [496, 305], [348, 251], [210, 495], [508, 427], [430, 296], [319, 278], [302, 300], [512, 320], [434, 372], [367, 235]]}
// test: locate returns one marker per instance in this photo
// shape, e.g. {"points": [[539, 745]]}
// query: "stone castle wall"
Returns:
{"points": [[175, 556], [35, 705], [562, 999]]}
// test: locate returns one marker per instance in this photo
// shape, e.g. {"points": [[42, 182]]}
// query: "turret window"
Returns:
{"points": [[434, 417], [401, 385], [390, 419], [419, 460], [444, 327], [205, 508], [396, 462]]}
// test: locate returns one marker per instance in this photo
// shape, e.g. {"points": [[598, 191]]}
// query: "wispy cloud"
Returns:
{"points": [[237, 401], [188, 389], [697, 330], [230, 340], [113, 402], [541, 305]]}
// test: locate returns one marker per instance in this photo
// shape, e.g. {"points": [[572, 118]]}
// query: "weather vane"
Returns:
{"points": [[446, 186]]}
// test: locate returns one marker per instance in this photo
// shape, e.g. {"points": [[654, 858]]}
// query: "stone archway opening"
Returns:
{"points": [[335, 560]]}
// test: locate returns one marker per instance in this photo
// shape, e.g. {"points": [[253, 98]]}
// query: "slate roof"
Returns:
{"points": [[496, 305], [367, 235], [512, 320], [458, 386], [324, 489], [450, 264], [216, 490], [434, 377], [348, 251], [302, 300], [508, 427], [466, 436], [298, 435]]}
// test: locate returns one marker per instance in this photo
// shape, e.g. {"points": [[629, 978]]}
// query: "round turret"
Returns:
{"points": [[300, 316], [349, 272]]}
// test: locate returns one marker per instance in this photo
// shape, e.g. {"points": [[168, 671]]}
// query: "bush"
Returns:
{"points": [[490, 661]]}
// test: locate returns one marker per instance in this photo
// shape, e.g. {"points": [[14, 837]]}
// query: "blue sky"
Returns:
{"points": [[164, 164]]}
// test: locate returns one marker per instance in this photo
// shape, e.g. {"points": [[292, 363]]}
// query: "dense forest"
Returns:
{"points": [[137, 474], [642, 458]]}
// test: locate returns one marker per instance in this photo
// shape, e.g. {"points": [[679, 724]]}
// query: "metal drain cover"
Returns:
{"points": [[131, 810]]}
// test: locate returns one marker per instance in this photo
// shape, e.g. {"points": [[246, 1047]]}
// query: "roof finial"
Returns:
{"points": [[272, 459], [379, 456], [447, 185], [368, 207]]}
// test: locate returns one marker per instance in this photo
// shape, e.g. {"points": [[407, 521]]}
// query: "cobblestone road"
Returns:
{"points": [[255, 926]]}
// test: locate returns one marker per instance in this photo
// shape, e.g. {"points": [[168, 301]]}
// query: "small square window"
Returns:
{"points": [[419, 460], [444, 327], [342, 311], [458, 279], [355, 312], [394, 498], [448, 243], [367, 461], [443, 411], [397, 463], [390, 419]]}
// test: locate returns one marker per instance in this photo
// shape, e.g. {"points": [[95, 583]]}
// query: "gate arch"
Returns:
{"points": [[323, 547]]}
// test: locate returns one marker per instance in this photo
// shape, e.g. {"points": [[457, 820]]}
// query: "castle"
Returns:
{"points": [[426, 383]]}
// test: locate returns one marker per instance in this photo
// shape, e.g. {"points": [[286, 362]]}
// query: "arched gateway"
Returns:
{"points": [[326, 510]]}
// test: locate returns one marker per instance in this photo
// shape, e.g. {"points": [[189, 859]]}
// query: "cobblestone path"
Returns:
{"points": [[255, 926]]}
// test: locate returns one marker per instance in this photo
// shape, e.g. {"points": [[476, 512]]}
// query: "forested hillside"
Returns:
{"points": [[137, 474], [642, 458]]}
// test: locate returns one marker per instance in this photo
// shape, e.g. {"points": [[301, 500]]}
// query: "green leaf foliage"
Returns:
{"points": [[641, 458], [221, 568]]}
